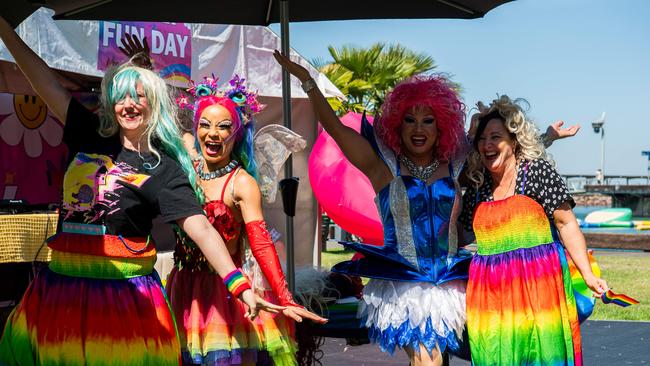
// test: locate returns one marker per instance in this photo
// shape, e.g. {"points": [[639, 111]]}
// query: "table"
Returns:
{"points": [[23, 236]]}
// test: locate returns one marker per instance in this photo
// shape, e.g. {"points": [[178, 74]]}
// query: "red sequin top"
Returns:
{"points": [[187, 255]]}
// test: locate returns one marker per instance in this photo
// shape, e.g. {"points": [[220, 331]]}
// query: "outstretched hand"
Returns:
{"points": [[556, 132], [473, 124], [597, 285], [268, 306], [298, 313], [250, 299], [255, 304], [137, 51], [293, 68]]}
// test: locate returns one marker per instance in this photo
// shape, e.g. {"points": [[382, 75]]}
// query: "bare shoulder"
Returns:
{"points": [[246, 187]]}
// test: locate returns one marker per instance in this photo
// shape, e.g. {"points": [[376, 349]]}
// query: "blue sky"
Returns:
{"points": [[571, 60]]}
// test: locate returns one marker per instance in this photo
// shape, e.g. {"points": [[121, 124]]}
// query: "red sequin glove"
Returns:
{"points": [[267, 258]]}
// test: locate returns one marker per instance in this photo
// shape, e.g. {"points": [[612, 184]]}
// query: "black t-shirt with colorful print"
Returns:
{"points": [[114, 190]]}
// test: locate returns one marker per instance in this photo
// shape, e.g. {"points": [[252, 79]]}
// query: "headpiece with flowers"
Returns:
{"points": [[245, 99]]}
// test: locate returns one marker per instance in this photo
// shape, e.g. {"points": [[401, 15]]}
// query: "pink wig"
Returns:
{"points": [[231, 107], [434, 92]]}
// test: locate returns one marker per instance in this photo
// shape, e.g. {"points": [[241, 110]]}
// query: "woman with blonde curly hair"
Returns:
{"points": [[520, 304]]}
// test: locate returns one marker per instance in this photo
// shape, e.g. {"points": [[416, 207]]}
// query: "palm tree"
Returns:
{"points": [[365, 75]]}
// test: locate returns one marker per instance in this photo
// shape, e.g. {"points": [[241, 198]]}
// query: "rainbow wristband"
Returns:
{"points": [[236, 282]]}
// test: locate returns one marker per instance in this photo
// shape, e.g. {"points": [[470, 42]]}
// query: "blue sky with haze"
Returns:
{"points": [[571, 59]]}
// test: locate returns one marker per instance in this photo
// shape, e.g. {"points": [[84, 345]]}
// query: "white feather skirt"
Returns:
{"points": [[410, 314]]}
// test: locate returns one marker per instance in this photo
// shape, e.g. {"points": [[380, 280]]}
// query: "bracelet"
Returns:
{"points": [[546, 141], [236, 282], [309, 85]]}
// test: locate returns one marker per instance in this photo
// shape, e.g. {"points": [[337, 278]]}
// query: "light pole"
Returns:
{"points": [[647, 153], [598, 126]]}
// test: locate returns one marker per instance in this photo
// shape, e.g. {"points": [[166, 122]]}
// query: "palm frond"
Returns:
{"points": [[366, 75]]}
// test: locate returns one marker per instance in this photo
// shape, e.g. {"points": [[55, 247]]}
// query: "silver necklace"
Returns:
{"points": [[215, 173], [419, 172]]}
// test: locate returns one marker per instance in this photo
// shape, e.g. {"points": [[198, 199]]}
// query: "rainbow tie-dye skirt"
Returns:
{"points": [[521, 308]]}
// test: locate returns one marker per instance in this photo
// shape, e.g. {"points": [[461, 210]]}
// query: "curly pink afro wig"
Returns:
{"points": [[435, 92]]}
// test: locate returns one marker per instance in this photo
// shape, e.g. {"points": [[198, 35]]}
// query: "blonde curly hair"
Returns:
{"points": [[525, 133]]}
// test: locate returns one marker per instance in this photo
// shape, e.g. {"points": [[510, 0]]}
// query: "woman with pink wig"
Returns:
{"points": [[212, 325], [415, 299]]}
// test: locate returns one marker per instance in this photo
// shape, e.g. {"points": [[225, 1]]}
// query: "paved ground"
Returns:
{"points": [[604, 343]]}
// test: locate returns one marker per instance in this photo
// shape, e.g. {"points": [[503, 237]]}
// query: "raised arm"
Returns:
{"points": [[554, 131], [250, 202], [355, 148], [41, 77], [137, 51]]}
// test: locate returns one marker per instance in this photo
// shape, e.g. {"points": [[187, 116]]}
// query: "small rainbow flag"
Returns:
{"points": [[618, 299]]}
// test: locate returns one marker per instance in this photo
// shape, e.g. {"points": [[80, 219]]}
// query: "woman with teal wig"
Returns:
{"points": [[100, 301]]}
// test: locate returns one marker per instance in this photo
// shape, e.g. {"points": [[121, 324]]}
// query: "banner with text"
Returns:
{"points": [[170, 44]]}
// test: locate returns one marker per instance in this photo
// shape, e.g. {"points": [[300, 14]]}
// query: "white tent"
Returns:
{"points": [[222, 50]]}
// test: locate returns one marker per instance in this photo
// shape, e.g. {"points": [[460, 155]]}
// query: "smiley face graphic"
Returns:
{"points": [[25, 119], [31, 110]]}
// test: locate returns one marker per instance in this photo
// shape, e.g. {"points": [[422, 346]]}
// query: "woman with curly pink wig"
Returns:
{"points": [[415, 298], [433, 92]]}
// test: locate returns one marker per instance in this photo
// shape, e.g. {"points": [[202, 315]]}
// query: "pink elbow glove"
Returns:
{"points": [[267, 258]]}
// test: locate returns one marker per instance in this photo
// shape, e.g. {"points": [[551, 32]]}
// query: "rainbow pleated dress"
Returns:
{"points": [[97, 304], [213, 328], [521, 309], [100, 301]]}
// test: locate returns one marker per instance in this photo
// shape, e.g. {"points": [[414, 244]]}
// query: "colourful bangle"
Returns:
{"points": [[236, 282]]}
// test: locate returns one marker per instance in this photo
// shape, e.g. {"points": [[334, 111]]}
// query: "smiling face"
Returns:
{"points": [[132, 112], [419, 133], [214, 132], [496, 147], [31, 110]]}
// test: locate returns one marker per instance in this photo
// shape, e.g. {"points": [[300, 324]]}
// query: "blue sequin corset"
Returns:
{"points": [[419, 220]]}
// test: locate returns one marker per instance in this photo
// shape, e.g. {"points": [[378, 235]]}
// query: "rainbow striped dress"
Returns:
{"points": [[521, 309], [100, 301], [212, 326]]}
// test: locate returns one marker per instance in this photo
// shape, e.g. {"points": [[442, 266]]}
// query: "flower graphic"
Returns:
{"points": [[26, 119], [222, 219]]}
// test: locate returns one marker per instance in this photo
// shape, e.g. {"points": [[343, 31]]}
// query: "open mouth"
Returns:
{"points": [[131, 116], [490, 156], [212, 148], [418, 140]]}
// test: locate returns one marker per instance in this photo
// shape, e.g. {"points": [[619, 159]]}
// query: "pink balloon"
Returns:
{"points": [[343, 192]]}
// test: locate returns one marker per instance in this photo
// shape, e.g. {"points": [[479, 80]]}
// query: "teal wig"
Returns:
{"points": [[162, 131]]}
